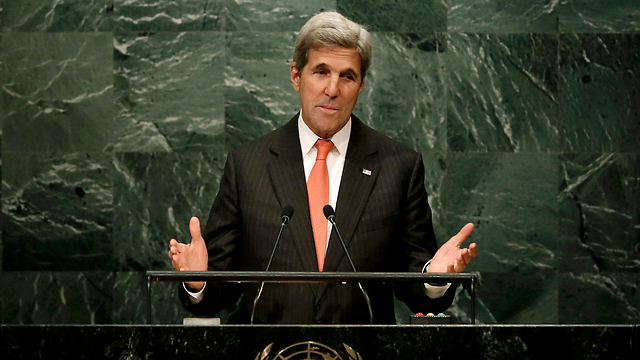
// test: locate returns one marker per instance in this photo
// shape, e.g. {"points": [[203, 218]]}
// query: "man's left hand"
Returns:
{"points": [[450, 258]]}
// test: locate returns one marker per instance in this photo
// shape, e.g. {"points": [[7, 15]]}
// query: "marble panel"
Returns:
{"points": [[404, 95], [404, 16], [509, 298], [57, 212], [518, 298], [599, 298], [1, 121], [503, 16], [155, 196], [600, 93], [169, 90], [595, 16], [169, 15], [1, 107], [435, 177], [512, 200], [502, 93], [130, 300], [259, 96], [460, 309], [56, 297], [57, 92], [600, 213], [57, 15], [274, 15]]}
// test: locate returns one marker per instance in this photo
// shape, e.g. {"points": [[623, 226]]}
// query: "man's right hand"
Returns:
{"points": [[190, 257]]}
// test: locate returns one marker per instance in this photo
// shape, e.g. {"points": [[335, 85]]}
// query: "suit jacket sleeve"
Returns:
{"points": [[420, 245]]}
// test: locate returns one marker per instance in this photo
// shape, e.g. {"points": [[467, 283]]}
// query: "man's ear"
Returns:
{"points": [[295, 77]]}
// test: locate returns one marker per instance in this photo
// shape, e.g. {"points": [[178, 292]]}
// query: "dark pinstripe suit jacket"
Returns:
{"points": [[384, 218]]}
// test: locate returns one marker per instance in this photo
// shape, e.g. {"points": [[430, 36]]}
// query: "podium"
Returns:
{"points": [[469, 279], [367, 342]]}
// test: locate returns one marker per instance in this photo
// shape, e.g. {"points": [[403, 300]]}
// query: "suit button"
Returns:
{"points": [[320, 322]]}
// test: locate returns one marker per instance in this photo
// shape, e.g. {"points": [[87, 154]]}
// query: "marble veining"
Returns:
{"points": [[57, 212], [169, 91], [502, 93], [503, 16], [58, 15]]}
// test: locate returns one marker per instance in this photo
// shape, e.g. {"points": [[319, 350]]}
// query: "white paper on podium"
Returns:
{"points": [[201, 321]]}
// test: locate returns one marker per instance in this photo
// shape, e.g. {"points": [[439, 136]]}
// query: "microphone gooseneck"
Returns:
{"points": [[330, 214], [287, 213]]}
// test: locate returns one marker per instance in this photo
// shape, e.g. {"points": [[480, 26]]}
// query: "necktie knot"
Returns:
{"points": [[324, 147]]}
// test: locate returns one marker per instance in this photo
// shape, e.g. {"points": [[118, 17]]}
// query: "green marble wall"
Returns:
{"points": [[117, 116]]}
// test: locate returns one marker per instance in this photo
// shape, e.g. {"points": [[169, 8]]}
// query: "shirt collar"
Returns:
{"points": [[308, 138]]}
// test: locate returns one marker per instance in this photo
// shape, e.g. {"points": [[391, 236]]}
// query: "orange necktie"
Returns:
{"points": [[318, 190]]}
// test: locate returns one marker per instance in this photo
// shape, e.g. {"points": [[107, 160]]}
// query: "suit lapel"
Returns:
{"points": [[359, 175], [286, 172]]}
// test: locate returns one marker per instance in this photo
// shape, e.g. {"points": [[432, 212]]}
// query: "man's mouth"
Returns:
{"points": [[328, 108]]}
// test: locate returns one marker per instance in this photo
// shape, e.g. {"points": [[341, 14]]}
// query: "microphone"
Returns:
{"points": [[330, 214], [287, 213]]}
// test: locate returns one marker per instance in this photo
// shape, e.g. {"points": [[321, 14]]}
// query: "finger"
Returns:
{"points": [[175, 263], [180, 247], [466, 256], [473, 250], [173, 246], [461, 264], [173, 251], [194, 229], [463, 234]]}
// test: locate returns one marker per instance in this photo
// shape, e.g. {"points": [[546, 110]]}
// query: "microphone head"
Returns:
{"points": [[328, 212], [287, 213]]}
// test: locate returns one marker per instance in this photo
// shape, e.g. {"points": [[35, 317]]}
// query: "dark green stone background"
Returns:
{"points": [[117, 116]]}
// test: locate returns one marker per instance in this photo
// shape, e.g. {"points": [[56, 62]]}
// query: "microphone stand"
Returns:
{"points": [[287, 212], [330, 214]]}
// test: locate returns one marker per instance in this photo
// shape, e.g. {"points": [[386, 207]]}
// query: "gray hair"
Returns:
{"points": [[332, 29]]}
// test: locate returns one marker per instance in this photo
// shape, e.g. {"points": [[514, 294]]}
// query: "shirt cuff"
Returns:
{"points": [[434, 291], [195, 297]]}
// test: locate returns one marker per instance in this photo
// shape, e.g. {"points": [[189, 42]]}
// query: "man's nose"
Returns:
{"points": [[333, 87]]}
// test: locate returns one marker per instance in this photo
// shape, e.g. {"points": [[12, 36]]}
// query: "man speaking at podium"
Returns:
{"points": [[324, 156]]}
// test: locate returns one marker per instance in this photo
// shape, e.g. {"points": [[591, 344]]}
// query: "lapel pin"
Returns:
{"points": [[366, 172]]}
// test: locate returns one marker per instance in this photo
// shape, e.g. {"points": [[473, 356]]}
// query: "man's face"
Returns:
{"points": [[329, 86]]}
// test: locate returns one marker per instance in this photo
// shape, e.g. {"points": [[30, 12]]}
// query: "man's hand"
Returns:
{"points": [[450, 258], [190, 257]]}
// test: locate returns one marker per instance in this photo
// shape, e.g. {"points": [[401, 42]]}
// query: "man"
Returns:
{"points": [[324, 155]]}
